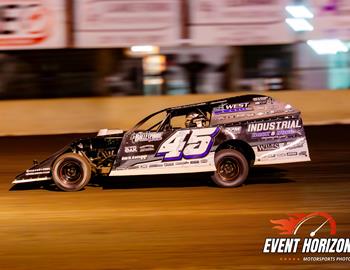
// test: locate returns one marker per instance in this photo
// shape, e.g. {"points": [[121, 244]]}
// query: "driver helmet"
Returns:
{"points": [[194, 119]]}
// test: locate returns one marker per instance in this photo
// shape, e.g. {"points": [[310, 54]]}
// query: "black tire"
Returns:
{"points": [[232, 168], [71, 172]]}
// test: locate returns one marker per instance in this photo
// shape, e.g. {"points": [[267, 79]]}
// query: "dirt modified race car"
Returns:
{"points": [[225, 137]]}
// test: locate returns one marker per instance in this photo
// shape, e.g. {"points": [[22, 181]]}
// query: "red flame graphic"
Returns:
{"points": [[287, 225]]}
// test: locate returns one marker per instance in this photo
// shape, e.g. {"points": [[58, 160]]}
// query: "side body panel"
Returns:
{"points": [[272, 128], [176, 151], [276, 140]]}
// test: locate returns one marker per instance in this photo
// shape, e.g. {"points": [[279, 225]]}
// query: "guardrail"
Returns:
{"points": [[81, 115]]}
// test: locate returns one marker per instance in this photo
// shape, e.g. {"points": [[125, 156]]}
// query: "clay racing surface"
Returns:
{"points": [[167, 222]]}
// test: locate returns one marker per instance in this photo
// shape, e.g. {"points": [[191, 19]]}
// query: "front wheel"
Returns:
{"points": [[232, 168], [71, 172]]}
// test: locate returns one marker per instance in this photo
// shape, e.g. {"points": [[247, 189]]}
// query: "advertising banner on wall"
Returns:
{"points": [[239, 22], [31, 24], [331, 19], [123, 23]]}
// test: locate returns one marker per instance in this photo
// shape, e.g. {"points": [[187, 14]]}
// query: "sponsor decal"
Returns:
{"points": [[182, 163], [260, 100], [234, 130], [143, 166], [142, 157], [275, 125], [268, 147], [155, 165], [133, 167], [308, 234], [147, 148], [278, 133], [222, 118], [270, 157], [232, 108], [303, 153], [38, 171], [179, 164], [286, 132], [262, 108], [261, 134], [228, 117], [146, 137], [130, 149]]}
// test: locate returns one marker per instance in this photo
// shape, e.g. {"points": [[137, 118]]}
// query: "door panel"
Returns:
{"points": [[173, 151]]}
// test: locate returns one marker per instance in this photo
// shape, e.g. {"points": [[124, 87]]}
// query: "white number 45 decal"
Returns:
{"points": [[180, 145]]}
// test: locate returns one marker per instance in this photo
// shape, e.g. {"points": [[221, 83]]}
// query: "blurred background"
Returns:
{"points": [[72, 48], [132, 58]]}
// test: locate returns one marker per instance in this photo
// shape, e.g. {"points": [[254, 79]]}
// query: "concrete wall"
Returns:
{"points": [[55, 116]]}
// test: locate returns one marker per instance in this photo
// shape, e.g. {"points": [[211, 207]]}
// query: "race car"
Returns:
{"points": [[225, 137]]}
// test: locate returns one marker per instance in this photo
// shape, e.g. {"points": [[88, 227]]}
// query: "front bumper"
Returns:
{"points": [[33, 175]]}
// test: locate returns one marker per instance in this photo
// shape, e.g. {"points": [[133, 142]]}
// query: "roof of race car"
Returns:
{"points": [[213, 103], [205, 106]]}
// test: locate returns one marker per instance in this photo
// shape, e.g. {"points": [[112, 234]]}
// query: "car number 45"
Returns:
{"points": [[188, 144]]}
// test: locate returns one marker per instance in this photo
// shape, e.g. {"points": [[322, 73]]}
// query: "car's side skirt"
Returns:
{"points": [[152, 171], [271, 162]]}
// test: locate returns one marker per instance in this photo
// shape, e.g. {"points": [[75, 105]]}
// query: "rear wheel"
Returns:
{"points": [[71, 172], [232, 168]]}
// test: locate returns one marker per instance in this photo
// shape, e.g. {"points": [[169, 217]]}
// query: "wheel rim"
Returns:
{"points": [[229, 169], [70, 172]]}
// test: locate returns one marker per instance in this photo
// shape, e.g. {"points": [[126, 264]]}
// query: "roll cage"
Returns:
{"points": [[203, 108], [165, 124]]}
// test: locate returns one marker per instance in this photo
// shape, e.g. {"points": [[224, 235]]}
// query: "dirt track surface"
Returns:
{"points": [[167, 222]]}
